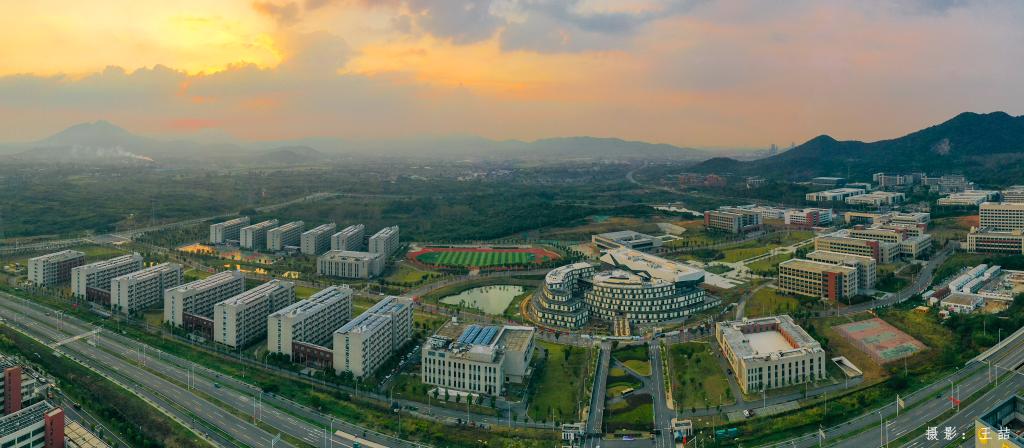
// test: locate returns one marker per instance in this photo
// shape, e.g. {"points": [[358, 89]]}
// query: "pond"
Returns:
{"points": [[491, 299]]}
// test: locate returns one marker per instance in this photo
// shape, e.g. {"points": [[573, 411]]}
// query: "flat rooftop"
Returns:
{"points": [[58, 256], [212, 281], [768, 342], [816, 266], [341, 255], [258, 292], [657, 267]]}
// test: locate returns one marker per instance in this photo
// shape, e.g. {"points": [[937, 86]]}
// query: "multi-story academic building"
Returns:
{"points": [[140, 290], [287, 235], [93, 280], [876, 198], [817, 279], [732, 220], [350, 238], [770, 353], [18, 389], [560, 302], [881, 252], [309, 322], [384, 242], [477, 359], [1001, 216], [317, 240], [1014, 194], [349, 264], [809, 217], [191, 305], [867, 268], [363, 344], [223, 232], [54, 269], [242, 319], [40, 425], [834, 195], [254, 237], [986, 240], [637, 287]]}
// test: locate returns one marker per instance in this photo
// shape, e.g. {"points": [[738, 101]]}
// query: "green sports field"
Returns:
{"points": [[476, 258]]}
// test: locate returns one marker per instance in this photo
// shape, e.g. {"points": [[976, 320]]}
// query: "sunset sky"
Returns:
{"points": [[689, 72]]}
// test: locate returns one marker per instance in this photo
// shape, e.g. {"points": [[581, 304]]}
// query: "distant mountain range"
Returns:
{"points": [[102, 142], [986, 147]]}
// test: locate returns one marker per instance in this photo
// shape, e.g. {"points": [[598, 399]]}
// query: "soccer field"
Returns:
{"points": [[476, 258]]}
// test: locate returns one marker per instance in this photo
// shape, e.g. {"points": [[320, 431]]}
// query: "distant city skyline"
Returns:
{"points": [[690, 73]]}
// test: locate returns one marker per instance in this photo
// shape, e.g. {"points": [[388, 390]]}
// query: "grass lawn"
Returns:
{"points": [[697, 379], [769, 302], [557, 389], [718, 269], [635, 357], [409, 386], [635, 412], [769, 265], [97, 253], [154, 318], [512, 310], [303, 292], [406, 274], [619, 377], [192, 275], [888, 281], [745, 251]]}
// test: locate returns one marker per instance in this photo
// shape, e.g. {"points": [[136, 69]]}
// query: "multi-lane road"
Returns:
{"points": [[220, 406], [926, 405]]}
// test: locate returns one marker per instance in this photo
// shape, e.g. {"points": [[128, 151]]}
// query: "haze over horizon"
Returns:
{"points": [[688, 73]]}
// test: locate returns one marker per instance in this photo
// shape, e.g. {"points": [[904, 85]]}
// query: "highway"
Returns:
{"points": [[156, 371], [924, 405], [596, 416]]}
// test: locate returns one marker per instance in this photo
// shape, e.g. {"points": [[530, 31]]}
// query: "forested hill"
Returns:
{"points": [[986, 147]]}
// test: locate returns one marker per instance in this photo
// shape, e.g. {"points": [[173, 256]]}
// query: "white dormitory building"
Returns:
{"points": [[55, 268], [311, 321], [770, 353], [317, 240], [197, 298], [97, 276], [384, 242], [140, 290], [242, 319], [365, 343], [969, 198], [350, 238], [223, 232], [288, 235], [877, 198], [833, 195], [350, 264], [254, 237], [477, 359]]}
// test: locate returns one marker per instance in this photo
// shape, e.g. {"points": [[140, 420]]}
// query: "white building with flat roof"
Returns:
{"points": [[140, 290], [365, 343], [222, 232], [317, 240], [626, 238], [197, 298], [384, 242], [310, 321], [54, 269], [350, 238], [287, 235], [1014, 194], [479, 359], [877, 198], [254, 237], [242, 319], [98, 275], [349, 264], [770, 353], [833, 195], [968, 198]]}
